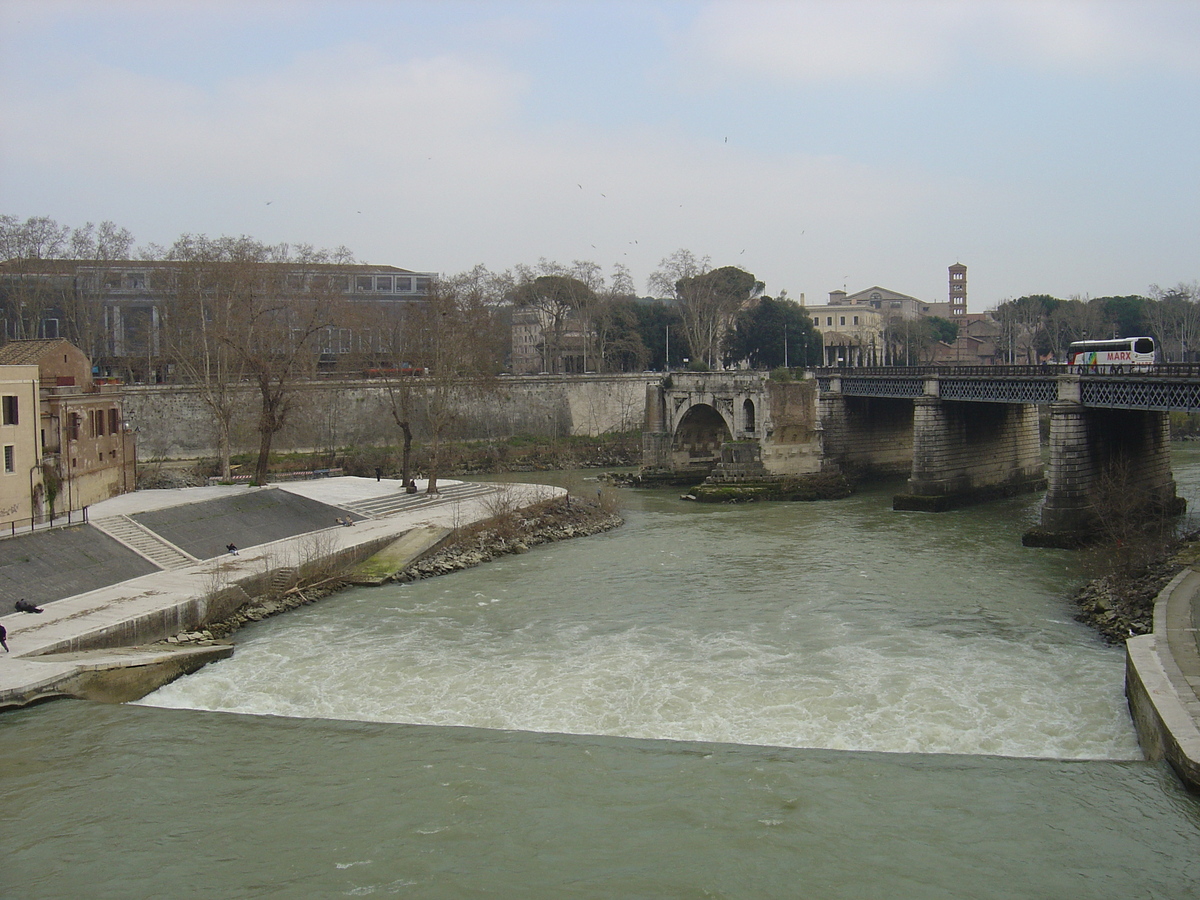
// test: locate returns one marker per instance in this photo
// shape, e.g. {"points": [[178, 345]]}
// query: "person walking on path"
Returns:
{"points": [[3, 638]]}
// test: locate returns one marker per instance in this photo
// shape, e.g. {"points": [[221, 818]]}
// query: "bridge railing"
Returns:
{"points": [[1163, 370]]}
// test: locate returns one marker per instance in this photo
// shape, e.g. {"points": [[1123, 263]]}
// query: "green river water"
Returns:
{"points": [[828, 700]]}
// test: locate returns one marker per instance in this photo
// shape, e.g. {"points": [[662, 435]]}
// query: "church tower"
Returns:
{"points": [[958, 291]]}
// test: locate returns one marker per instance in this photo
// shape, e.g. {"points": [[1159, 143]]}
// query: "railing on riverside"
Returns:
{"points": [[44, 522], [305, 475]]}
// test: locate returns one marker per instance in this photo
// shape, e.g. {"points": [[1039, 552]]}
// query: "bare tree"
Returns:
{"points": [[243, 310], [1174, 314], [555, 296], [205, 298], [31, 250], [708, 299], [453, 326]]}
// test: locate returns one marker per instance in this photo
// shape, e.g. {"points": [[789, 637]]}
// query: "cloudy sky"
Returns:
{"points": [[1052, 147]]}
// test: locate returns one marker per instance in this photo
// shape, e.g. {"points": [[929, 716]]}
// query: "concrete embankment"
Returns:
{"points": [[1162, 678], [104, 643]]}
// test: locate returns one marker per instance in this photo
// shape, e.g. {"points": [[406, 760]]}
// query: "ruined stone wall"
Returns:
{"points": [[792, 444]]}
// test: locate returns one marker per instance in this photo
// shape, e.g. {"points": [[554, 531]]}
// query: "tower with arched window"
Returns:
{"points": [[958, 290]]}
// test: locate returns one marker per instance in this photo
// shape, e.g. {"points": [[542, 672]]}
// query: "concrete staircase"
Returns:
{"points": [[144, 542], [390, 504], [283, 579]]}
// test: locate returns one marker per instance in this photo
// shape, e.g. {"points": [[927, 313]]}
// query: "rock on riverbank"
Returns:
{"points": [[557, 521], [1123, 607]]}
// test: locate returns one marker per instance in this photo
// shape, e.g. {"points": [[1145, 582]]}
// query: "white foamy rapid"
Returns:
{"points": [[892, 688]]}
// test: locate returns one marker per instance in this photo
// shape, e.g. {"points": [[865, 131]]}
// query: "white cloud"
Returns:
{"points": [[311, 119], [882, 41]]}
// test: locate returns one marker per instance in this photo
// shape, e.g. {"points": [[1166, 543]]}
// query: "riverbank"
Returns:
{"points": [[50, 653], [516, 532], [1120, 606], [559, 520]]}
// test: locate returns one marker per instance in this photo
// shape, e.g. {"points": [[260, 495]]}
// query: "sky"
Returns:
{"points": [[1053, 146]]}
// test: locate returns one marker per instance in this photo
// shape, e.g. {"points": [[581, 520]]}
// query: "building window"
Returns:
{"points": [[841, 320], [422, 285], [50, 329], [829, 320], [10, 458], [10, 410], [856, 320], [112, 421], [364, 283], [404, 285]]}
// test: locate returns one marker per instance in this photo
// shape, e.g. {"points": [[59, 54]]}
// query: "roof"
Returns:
{"points": [[885, 294], [29, 353]]}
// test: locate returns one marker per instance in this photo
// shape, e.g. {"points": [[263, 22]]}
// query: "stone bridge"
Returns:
{"points": [[730, 426], [961, 435]]}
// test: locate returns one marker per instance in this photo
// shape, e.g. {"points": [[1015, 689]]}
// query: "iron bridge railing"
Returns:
{"points": [[1174, 386]]}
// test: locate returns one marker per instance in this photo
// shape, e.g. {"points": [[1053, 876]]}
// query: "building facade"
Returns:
{"points": [[113, 310], [22, 496], [84, 451]]}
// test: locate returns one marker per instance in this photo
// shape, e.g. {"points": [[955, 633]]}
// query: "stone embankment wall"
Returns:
{"points": [[173, 422]]}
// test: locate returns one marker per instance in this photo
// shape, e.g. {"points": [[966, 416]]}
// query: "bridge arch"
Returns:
{"points": [[698, 436]]}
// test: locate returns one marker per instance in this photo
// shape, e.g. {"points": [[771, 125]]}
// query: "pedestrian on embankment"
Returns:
{"points": [[4, 638]]}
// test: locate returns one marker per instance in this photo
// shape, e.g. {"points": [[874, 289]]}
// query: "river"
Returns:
{"points": [[827, 700]]}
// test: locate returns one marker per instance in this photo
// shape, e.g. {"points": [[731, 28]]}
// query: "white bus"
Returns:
{"points": [[1132, 351]]}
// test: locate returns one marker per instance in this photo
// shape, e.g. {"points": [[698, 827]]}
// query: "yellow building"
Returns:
{"points": [[22, 496], [86, 452]]}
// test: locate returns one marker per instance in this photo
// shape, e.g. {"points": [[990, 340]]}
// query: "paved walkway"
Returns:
{"points": [[166, 600]]}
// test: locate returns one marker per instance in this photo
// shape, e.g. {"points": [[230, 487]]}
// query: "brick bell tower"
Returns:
{"points": [[958, 291]]}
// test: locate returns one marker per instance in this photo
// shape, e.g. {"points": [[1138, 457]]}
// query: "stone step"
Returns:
{"points": [[144, 542], [390, 504]]}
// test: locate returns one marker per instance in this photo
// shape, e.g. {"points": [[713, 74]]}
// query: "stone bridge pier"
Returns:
{"points": [[868, 435], [1105, 465]]}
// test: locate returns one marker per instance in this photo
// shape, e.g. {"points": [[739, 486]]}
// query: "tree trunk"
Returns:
{"points": [[406, 454], [264, 455], [434, 461]]}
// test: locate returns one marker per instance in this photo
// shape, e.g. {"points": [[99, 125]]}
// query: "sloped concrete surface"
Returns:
{"points": [[153, 606], [49, 565], [258, 516], [399, 554]]}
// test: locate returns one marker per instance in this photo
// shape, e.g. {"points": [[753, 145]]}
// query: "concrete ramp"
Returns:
{"points": [[112, 676], [399, 554]]}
